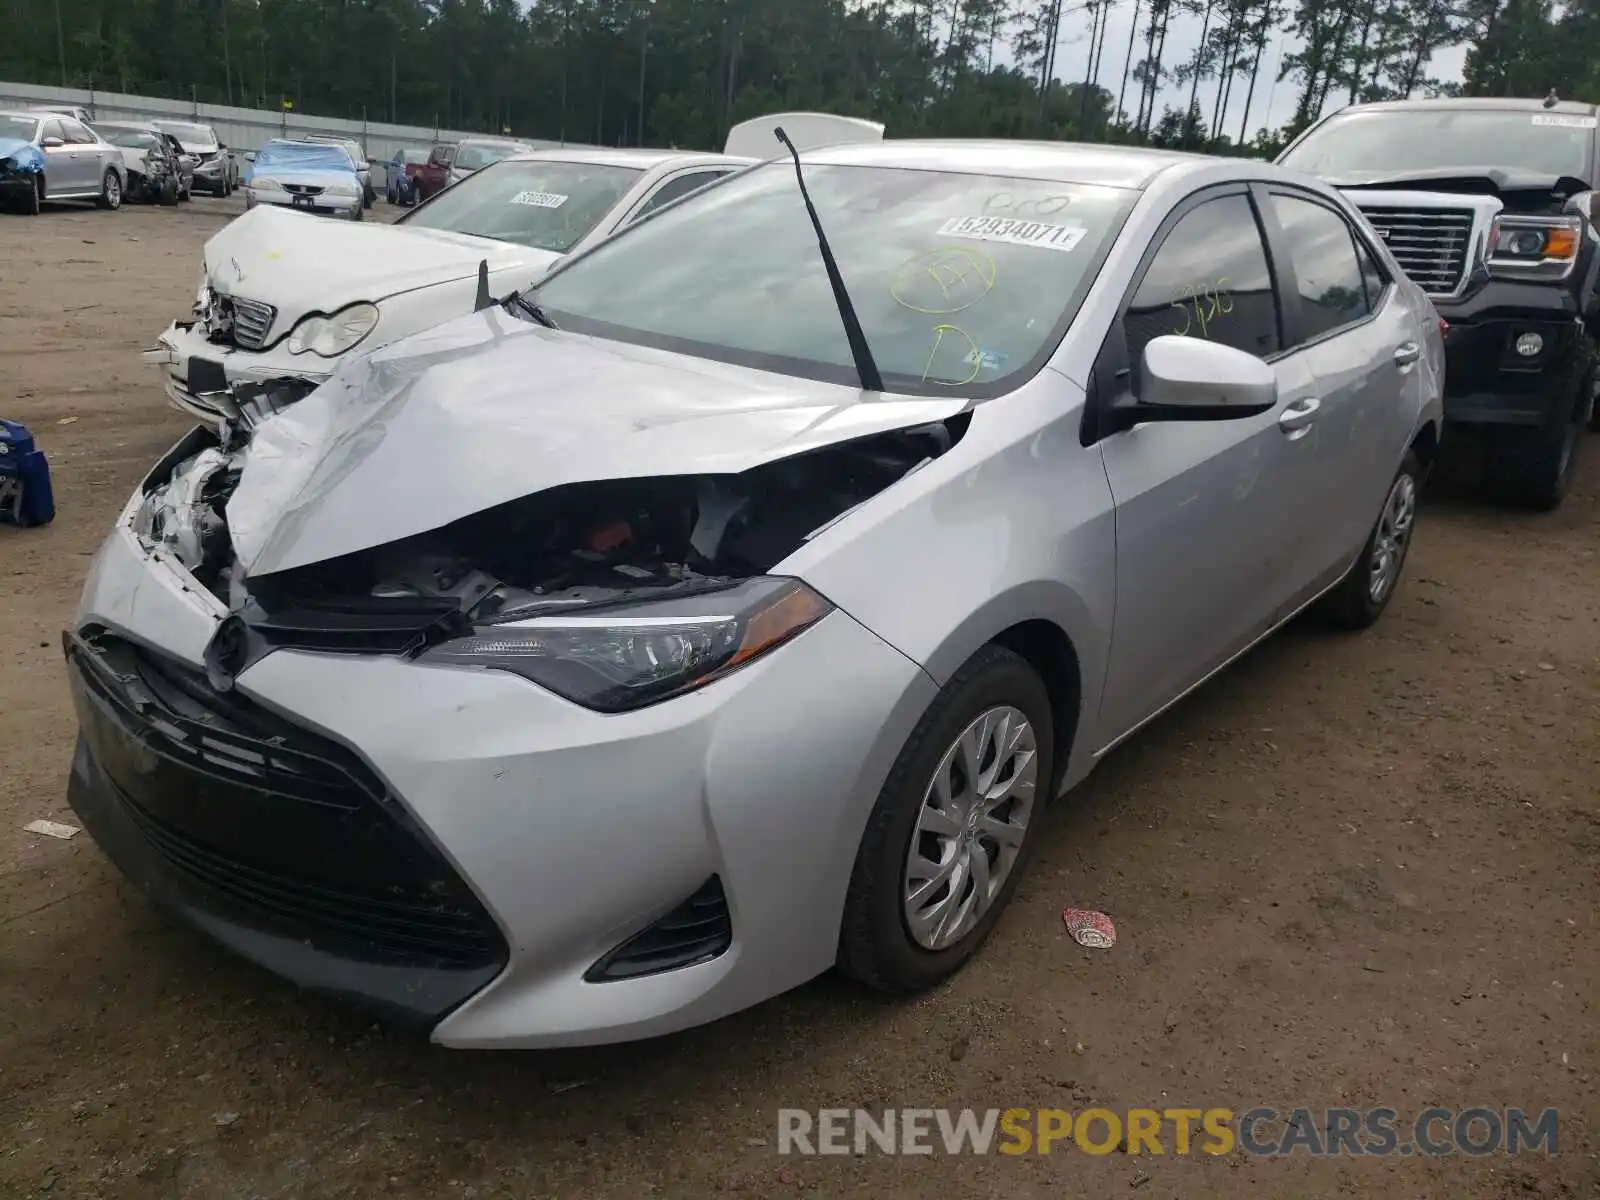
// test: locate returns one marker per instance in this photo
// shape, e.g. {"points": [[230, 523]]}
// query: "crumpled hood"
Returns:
{"points": [[301, 263], [1517, 189], [133, 158], [490, 408]]}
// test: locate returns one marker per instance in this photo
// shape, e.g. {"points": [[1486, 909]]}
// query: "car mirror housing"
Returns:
{"points": [[50, 143], [1191, 379]]}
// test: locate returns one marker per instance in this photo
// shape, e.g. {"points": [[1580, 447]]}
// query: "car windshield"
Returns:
{"points": [[541, 203], [18, 127], [412, 156], [303, 157], [961, 282], [191, 135], [475, 155], [1367, 146], [134, 139]]}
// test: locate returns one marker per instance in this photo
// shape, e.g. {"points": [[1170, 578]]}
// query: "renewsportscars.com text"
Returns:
{"points": [[1261, 1131]]}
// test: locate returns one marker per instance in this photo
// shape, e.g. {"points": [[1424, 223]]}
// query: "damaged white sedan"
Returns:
{"points": [[621, 655], [283, 297]]}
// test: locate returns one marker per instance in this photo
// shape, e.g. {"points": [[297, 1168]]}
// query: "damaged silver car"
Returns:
{"points": [[634, 649]]}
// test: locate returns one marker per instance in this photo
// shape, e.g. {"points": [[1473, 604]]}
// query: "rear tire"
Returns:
{"points": [[110, 191], [876, 943], [1359, 600], [1532, 468]]}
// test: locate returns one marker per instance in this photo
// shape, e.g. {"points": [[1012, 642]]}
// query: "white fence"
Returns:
{"points": [[242, 129]]}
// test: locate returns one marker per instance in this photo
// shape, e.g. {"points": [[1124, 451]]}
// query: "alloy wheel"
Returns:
{"points": [[1394, 535], [970, 828]]}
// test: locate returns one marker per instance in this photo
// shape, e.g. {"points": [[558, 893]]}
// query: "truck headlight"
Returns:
{"points": [[630, 657], [1534, 247], [329, 337]]}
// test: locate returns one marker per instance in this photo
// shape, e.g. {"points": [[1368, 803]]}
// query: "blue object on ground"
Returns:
{"points": [[25, 495]]}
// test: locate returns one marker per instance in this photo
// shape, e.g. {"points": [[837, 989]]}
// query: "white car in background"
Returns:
{"points": [[284, 298]]}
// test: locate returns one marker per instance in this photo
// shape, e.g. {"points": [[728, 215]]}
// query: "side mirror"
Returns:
{"points": [[1190, 379], [50, 143]]}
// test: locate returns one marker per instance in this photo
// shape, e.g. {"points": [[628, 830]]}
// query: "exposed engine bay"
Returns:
{"points": [[577, 546]]}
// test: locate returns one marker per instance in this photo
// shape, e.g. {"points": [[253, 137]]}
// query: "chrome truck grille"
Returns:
{"points": [[1431, 245]]}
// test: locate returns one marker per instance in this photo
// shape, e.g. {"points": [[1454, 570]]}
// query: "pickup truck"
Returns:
{"points": [[1490, 205]]}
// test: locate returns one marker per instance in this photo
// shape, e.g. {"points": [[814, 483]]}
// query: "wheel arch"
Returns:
{"points": [[1045, 647], [1051, 628], [1425, 445]]}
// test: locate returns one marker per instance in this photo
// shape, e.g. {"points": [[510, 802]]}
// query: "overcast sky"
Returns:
{"points": [[1272, 106]]}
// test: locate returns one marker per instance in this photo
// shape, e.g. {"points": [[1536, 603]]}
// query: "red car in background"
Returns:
{"points": [[433, 176], [400, 177]]}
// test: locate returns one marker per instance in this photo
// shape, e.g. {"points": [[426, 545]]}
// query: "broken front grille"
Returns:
{"points": [[1429, 244], [252, 320]]}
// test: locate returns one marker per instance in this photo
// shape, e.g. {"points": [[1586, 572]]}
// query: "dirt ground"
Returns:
{"points": [[1355, 871]]}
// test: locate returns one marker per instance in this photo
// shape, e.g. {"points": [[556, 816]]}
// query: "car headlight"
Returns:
{"points": [[266, 185], [629, 657], [342, 189], [330, 337], [1536, 247]]}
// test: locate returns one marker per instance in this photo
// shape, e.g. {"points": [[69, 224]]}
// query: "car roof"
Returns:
{"points": [[487, 140], [1469, 103], [141, 126], [301, 142], [640, 158], [30, 114], [1063, 162]]}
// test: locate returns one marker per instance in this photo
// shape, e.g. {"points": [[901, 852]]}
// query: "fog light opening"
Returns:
{"points": [[1529, 345]]}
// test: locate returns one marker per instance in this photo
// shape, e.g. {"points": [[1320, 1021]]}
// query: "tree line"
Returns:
{"points": [[680, 72]]}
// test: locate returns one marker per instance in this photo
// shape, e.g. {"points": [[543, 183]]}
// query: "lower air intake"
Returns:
{"points": [[697, 931]]}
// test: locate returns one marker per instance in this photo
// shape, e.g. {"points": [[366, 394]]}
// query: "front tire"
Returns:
{"points": [[110, 191], [952, 829], [1533, 468], [1362, 595]]}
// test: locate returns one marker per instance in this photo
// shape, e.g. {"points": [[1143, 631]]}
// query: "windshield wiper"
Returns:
{"points": [[866, 368], [530, 308]]}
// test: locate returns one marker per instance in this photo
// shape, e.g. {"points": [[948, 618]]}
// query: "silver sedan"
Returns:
{"points": [[51, 156], [731, 606]]}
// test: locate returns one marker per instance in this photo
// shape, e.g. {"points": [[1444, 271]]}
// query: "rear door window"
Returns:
{"points": [[1328, 275]]}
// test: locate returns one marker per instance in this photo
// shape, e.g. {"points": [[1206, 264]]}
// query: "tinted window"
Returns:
{"points": [[77, 134], [18, 127], [1323, 252], [1365, 146], [961, 282], [441, 156], [53, 129], [673, 188], [1209, 280], [541, 203]]}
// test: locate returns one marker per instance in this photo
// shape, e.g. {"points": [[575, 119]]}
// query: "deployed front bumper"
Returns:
{"points": [[572, 831], [194, 366]]}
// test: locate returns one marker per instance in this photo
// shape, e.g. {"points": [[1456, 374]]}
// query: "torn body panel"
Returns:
{"points": [[504, 409], [602, 547]]}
